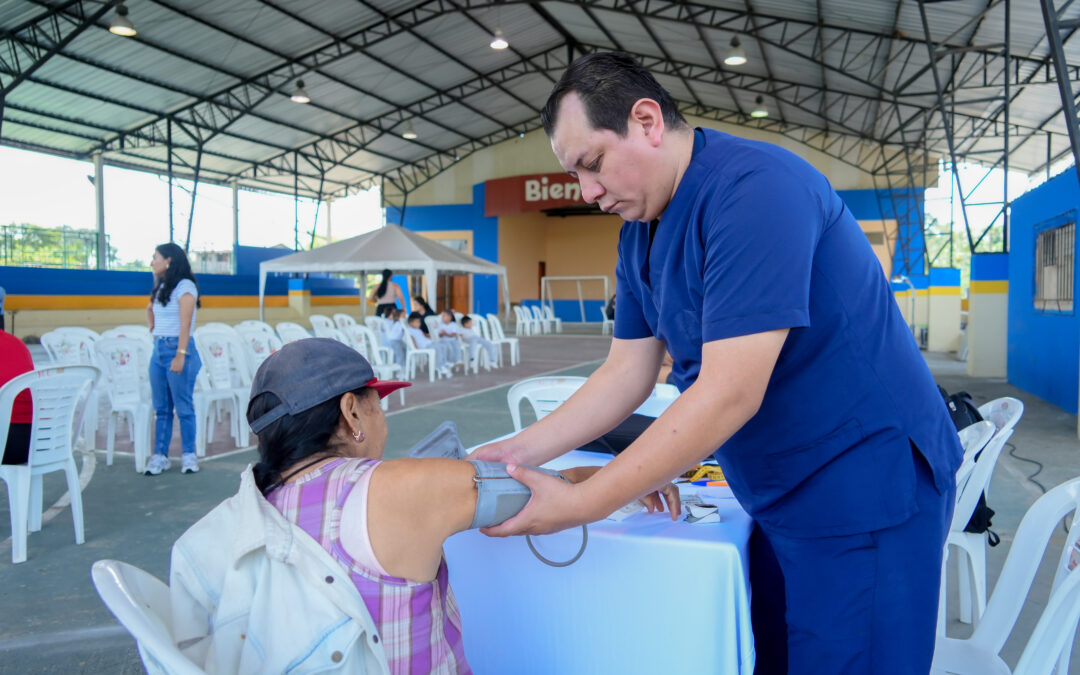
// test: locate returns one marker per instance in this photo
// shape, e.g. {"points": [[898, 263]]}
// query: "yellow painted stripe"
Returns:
{"points": [[293, 291], [922, 292], [989, 286], [335, 300], [944, 290], [49, 302]]}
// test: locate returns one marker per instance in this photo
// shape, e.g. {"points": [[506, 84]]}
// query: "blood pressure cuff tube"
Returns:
{"points": [[498, 496]]}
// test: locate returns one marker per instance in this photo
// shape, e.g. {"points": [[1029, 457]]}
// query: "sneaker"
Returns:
{"points": [[157, 464], [188, 463]]}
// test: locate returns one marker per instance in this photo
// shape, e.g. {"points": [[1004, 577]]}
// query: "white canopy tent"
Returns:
{"points": [[390, 247]]}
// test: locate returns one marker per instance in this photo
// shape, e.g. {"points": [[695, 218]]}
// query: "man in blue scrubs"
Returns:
{"points": [[796, 368]]}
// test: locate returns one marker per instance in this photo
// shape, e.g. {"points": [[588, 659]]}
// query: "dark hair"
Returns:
{"points": [[419, 299], [466, 319], [416, 315], [450, 314], [179, 268], [293, 438], [386, 274], [609, 84]]}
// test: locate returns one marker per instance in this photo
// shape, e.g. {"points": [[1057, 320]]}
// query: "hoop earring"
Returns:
{"points": [[359, 436]]}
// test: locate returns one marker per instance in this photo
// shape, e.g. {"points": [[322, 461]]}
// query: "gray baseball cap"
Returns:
{"points": [[305, 373]]}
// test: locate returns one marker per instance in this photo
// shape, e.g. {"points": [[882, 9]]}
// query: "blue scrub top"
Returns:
{"points": [[755, 239]]}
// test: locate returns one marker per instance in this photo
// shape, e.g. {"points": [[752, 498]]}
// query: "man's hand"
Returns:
{"points": [[555, 505]]}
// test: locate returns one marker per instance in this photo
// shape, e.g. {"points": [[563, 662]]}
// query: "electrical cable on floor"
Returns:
{"points": [[1012, 453]]}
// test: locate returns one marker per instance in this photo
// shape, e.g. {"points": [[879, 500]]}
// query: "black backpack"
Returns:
{"points": [[964, 413]]}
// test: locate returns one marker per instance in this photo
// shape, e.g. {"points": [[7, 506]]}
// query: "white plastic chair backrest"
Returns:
{"points": [[973, 438], [1004, 412], [536, 313], [291, 332], [373, 323], [130, 330], [140, 602], [548, 313], [357, 339], [257, 325], [519, 315], [214, 348], [216, 325], [60, 395], [433, 323], [257, 344], [342, 320], [67, 348], [457, 315], [1051, 642], [1013, 584], [320, 321], [333, 334], [662, 396], [480, 326], [496, 327], [544, 394], [123, 363], [978, 478]]}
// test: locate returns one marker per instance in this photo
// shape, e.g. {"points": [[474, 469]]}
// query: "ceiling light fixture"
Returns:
{"points": [[300, 95], [759, 110], [120, 24], [736, 55], [498, 41], [409, 133]]}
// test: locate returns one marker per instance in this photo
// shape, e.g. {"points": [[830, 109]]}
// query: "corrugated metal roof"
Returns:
{"points": [[221, 74]]}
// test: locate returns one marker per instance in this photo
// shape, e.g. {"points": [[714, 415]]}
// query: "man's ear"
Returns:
{"points": [[647, 116]]}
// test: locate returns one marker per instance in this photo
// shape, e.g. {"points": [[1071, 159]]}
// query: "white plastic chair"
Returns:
{"points": [[416, 357], [122, 363], [549, 314], [60, 397], [433, 323], [1051, 642], [321, 322], [525, 323], [498, 337], [374, 323], [291, 332], [215, 383], [129, 330], [1004, 412], [256, 325], [140, 602], [544, 394], [609, 324], [546, 324], [343, 320], [73, 346], [258, 345], [662, 396]]}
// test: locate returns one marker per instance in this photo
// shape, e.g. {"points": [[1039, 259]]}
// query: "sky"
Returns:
{"points": [[52, 191]]}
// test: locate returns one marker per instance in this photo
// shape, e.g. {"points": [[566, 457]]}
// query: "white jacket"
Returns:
{"points": [[253, 593]]}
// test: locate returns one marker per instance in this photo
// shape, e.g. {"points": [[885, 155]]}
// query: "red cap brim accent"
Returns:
{"points": [[384, 387]]}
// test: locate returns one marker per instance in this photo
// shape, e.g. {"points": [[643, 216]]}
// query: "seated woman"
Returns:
{"points": [[328, 557]]}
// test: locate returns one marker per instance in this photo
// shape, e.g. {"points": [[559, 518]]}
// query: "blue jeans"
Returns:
{"points": [[173, 390]]}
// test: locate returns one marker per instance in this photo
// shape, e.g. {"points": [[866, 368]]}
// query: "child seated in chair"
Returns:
{"points": [[330, 558], [448, 336], [442, 364], [393, 332], [476, 342]]}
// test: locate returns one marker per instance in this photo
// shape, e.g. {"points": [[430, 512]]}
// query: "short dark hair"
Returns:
{"points": [[609, 84]]}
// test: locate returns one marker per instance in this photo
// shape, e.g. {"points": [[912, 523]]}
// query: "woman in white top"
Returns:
{"points": [[387, 295], [175, 362]]}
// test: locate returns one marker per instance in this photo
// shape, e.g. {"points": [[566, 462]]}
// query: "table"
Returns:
{"points": [[648, 596]]}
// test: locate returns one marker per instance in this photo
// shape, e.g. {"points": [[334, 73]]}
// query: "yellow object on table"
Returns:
{"points": [[710, 472]]}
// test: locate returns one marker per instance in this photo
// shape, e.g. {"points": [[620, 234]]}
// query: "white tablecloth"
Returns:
{"points": [[648, 596]]}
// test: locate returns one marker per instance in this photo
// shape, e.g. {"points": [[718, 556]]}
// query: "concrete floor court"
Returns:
{"points": [[53, 621]]}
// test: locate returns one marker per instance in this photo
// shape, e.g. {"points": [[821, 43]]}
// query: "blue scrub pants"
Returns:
{"points": [[173, 390], [863, 603]]}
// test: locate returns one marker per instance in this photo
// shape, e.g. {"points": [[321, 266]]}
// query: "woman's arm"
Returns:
{"points": [[150, 315], [187, 311]]}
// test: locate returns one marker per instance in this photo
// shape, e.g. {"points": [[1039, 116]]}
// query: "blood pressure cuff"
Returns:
{"points": [[498, 496]]}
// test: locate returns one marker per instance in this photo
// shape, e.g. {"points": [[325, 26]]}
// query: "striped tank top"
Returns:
{"points": [[419, 623]]}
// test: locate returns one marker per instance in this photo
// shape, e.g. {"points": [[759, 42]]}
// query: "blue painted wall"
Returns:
{"points": [[1043, 346], [462, 217], [903, 204], [249, 257]]}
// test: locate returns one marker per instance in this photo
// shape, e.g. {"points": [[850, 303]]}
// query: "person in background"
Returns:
{"points": [[609, 309], [476, 342], [422, 341], [3, 296], [393, 332], [420, 305], [387, 295], [448, 337], [175, 361], [15, 360]]}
